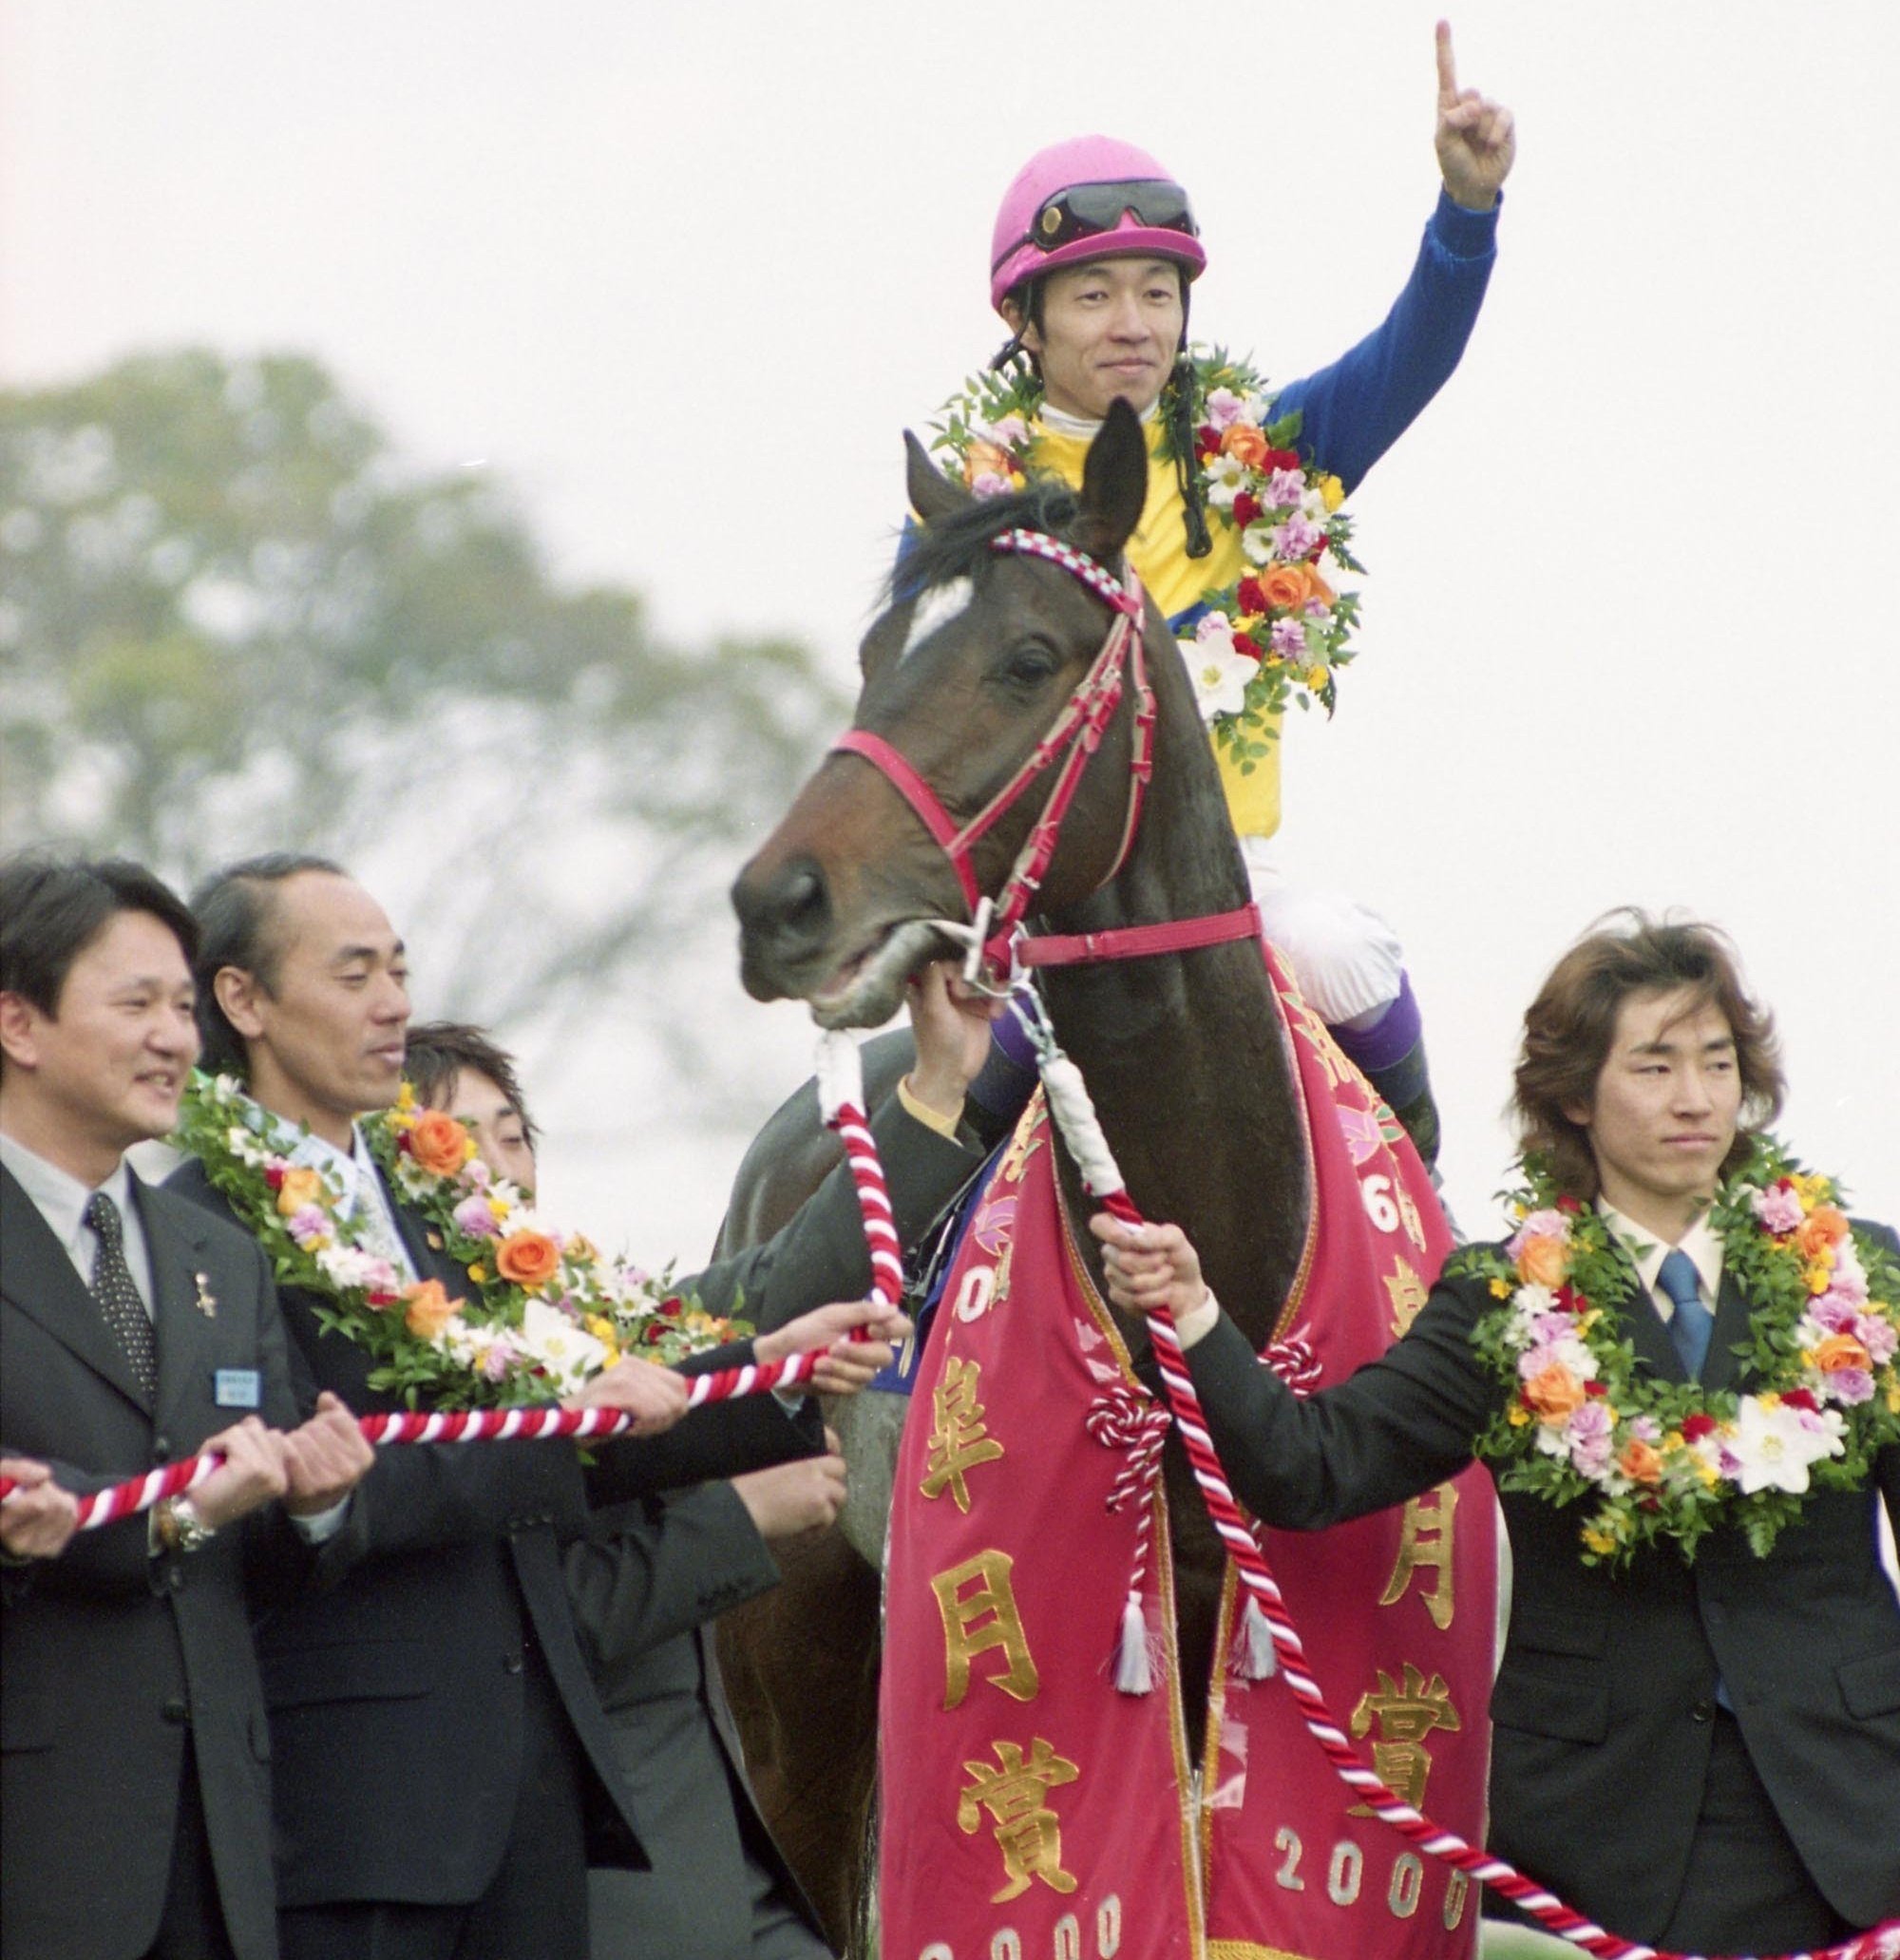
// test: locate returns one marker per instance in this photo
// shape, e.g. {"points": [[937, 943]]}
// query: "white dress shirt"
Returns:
{"points": [[1700, 1243]]}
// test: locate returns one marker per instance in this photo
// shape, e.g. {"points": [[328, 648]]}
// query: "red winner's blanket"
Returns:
{"points": [[1034, 1810]]}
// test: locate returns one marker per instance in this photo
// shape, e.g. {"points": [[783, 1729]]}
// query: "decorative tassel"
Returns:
{"points": [[1254, 1658], [1133, 1676]]}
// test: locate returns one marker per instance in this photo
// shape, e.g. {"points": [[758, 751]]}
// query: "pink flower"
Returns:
{"points": [[475, 1217], [1848, 1386], [991, 485], [1287, 638], [1296, 538], [1223, 408], [1590, 1438], [1285, 489], [1778, 1208], [308, 1224], [1879, 1336], [498, 1361]]}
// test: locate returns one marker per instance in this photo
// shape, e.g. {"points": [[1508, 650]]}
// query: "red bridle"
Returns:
{"points": [[1074, 736]]}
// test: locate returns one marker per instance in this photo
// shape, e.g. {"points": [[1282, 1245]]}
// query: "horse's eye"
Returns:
{"points": [[1030, 665]]}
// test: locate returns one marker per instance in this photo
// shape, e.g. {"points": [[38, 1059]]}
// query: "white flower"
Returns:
{"points": [[1227, 477], [569, 1353], [1772, 1447], [1220, 674]]}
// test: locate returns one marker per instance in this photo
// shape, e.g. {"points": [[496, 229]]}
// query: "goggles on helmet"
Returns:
{"points": [[1096, 210]]}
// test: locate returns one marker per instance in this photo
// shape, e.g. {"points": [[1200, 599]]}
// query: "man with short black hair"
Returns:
{"points": [[437, 1739], [134, 1331]]}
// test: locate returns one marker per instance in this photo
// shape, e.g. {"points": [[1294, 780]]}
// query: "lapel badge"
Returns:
{"points": [[206, 1299]]}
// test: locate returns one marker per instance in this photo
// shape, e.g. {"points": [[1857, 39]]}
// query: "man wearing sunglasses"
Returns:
{"points": [[1093, 255]]}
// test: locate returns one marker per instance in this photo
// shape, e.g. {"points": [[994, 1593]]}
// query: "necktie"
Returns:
{"points": [[118, 1296], [1690, 1324]]}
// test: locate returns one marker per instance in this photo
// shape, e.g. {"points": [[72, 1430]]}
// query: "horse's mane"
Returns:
{"points": [[952, 547]]}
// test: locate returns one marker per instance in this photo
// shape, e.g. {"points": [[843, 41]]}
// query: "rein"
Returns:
{"points": [[1073, 737]]}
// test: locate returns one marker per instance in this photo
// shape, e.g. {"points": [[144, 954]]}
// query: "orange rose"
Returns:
{"points": [[1246, 443], [300, 1187], [1822, 1228], [428, 1309], [1544, 1262], [1285, 586], [986, 459], [1841, 1351], [527, 1258], [1553, 1395], [1641, 1462], [439, 1143]]}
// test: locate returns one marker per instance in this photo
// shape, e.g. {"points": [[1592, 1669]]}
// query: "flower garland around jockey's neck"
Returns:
{"points": [[1649, 1460], [1277, 632], [542, 1311]]}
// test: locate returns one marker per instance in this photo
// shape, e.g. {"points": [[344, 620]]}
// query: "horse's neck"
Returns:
{"points": [[1185, 1055]]}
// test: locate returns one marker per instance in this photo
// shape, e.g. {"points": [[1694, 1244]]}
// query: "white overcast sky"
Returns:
{"points": [[680, 275]]}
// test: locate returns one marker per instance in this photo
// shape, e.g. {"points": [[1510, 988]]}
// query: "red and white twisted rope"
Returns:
{"points": [[840, 1097], [445, 1426], [1075, 1113]]}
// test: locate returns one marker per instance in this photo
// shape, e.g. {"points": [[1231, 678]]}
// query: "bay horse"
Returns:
{"points": [[1184, 1053]]}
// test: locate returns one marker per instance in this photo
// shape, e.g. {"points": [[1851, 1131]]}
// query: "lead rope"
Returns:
{"points": [[449, 1426]]}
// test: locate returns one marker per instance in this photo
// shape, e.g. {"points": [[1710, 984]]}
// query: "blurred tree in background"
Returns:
{"points": [[232, 621]]}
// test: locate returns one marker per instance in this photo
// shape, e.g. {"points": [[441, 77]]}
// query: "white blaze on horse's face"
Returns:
{"points": [[937, 607]]}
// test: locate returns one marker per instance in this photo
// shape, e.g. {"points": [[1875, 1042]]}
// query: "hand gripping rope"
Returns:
{"points": [[1075, 1114], [474, 1425]]}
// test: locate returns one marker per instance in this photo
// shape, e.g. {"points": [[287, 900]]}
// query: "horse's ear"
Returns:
{"points": [[1115, 482], [932, 493]]}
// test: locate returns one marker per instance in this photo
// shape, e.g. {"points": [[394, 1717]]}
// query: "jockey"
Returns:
{"points": [[1094, 252]]}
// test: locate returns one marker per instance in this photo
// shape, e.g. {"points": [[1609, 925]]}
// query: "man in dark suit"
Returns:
{"points": [[134, 1331], [437, 1739], [1701, 1754]]}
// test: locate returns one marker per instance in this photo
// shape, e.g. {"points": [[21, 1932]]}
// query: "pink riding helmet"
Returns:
{"points": [[1156, 220]]}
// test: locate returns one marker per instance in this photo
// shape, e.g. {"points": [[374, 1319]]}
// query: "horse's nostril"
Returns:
{"points": [[801, 897], [789, 911]]}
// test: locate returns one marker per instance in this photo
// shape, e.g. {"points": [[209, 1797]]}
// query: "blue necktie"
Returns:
{"points": [[1690, 1324]]}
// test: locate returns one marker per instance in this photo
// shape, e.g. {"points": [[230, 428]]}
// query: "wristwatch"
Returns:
{"points": [[178, 1528]]}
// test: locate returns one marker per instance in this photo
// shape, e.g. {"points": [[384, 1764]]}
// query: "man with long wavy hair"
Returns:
{"points": [[1680, 1371]]}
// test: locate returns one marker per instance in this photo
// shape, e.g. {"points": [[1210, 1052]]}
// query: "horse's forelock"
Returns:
{"points": [[955, 547]]}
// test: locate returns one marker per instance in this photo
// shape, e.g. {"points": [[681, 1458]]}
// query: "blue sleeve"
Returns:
{"points": [[1357, 409]]}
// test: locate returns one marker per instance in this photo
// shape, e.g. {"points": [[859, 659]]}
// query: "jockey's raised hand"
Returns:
{"points": [[952, 1025], [654, 1397], [1477, 138], [850, 1362]]}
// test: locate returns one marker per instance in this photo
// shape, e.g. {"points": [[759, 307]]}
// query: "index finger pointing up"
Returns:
{"points": [[1448, 68]]}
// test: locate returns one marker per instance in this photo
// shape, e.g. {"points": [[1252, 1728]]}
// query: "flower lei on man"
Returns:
{"points": [[1671, 1461], [545, 1309], [1280, 631]]}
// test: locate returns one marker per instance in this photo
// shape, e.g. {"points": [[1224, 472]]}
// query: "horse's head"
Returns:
{"points": [[965, 674]]}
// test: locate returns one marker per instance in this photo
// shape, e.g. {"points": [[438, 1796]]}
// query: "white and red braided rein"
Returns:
{"points": [[441, 1426], [840, 1091]]}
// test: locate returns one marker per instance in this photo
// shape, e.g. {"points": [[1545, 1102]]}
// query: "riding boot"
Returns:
{"points": [[1388, 1048]]}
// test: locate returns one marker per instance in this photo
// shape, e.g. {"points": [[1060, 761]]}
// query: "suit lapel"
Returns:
{"points": [[185, 1345], [1723, 1367], [42, 1283]]}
